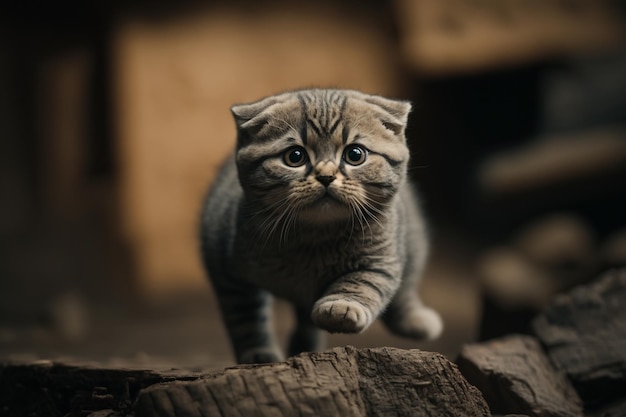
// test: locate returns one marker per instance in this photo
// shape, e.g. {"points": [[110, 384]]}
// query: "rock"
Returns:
{"points": [[45, 388], [550, 255], [559, 238], [338, 382], [584, 332], [614, 409], [512, 281], [516, 377], [104, 413], [613, 251]]}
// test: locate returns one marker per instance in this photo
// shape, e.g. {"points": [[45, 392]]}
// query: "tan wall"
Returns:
{"points": [[175, 81]]}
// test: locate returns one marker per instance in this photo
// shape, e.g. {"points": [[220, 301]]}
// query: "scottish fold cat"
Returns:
{"points": [[315, 207]]}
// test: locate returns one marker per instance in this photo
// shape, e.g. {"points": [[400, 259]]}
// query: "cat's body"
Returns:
{"points": [[315, 208]]}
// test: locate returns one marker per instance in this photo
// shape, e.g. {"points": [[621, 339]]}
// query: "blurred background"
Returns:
{"points": [[114, 117]]}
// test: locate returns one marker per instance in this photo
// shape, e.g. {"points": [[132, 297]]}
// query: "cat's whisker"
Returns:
{"points": [[259, 212], [369, 210], [359, 216], [361, 210], [351, 225], [368, 203], [352, 195], [270, 223], [286, 226], [373, 216], [274, 225], [266, 224], [279, 221]]}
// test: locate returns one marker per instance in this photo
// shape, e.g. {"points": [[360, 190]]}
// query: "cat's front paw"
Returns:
{"points": [[341, 316]]}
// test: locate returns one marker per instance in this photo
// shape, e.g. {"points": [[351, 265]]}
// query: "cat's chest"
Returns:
{"points": [[298, 273]]}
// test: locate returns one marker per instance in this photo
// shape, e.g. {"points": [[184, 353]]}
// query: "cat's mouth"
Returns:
{"points": [[328, 196], [325, 208], [326, 201]]}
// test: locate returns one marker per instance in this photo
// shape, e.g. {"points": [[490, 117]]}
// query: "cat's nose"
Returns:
{"points": [[325, 179], [325, 172]]}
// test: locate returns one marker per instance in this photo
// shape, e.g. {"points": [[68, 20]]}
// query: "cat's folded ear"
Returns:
{"points": [[397, 111], [250, 117]]}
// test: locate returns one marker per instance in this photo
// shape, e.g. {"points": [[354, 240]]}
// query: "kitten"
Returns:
{"points": [[315, 207]]}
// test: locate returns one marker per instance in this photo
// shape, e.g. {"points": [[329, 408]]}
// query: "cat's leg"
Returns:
{"points": [[354, 301], [407, 316], [247, 317], [306, 337]]}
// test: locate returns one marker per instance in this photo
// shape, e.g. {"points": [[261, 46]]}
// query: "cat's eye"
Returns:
{"points": [[295, 157], [355, 155]]}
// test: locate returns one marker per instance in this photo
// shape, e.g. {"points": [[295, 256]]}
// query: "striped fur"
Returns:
{"points": [[339, 237]]}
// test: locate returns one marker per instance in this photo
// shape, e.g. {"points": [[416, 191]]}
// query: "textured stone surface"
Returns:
{"points": [[339, 382], [516, 377], [45, 388], [584, 332], [614, 409]]}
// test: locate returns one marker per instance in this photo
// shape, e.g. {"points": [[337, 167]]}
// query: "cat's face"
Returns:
{"points": [[322, 155]]}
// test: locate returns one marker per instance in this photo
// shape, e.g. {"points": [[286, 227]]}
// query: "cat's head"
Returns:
{"points": [[322, 155]]}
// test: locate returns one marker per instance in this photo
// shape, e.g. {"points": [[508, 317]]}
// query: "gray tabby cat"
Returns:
{"points": [[315, 207]]}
